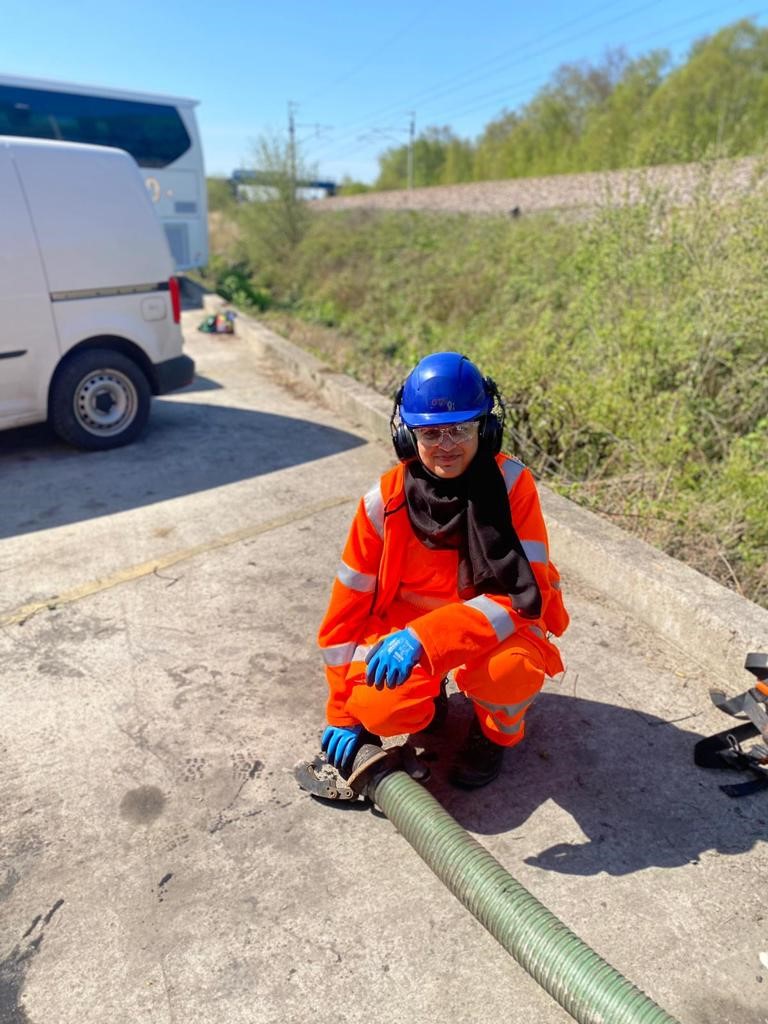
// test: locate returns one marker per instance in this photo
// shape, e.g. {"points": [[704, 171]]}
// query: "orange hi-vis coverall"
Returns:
{"points": [[388, 580]]}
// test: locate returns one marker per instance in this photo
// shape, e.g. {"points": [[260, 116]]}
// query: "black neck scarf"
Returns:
{"points": [[470, 514]]}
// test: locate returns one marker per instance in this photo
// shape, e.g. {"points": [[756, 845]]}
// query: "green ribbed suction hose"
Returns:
{"points": [[572, 973]]}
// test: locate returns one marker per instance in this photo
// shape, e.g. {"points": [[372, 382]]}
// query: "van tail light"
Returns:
{"points": [[175, 290]]}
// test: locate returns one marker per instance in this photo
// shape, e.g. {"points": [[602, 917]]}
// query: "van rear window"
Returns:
{"points": [[153, 133]]}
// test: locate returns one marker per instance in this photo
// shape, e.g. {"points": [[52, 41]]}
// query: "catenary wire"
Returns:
{"points": [[506, 92], [521, 55]]}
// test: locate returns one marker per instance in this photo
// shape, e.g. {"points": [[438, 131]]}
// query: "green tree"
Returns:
{"points": [[430, 153], [616, 113], [612, 127], [393, 168], [713, 105], [459, 158], [277, 219], [439, 157], [349, 187], [220, 195], [546, 136]]}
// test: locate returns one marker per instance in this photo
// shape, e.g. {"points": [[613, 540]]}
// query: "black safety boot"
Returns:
{"points": [[441, 710], [478, 761]]}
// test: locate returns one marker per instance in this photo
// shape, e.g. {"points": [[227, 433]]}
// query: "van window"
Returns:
{"points": [[152, 133]]}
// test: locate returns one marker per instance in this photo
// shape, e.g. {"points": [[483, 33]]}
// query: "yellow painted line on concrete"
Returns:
{"points": [[135, 572]]}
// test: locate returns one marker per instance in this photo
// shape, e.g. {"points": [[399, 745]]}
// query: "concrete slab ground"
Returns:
{"points": [[159, 679]]}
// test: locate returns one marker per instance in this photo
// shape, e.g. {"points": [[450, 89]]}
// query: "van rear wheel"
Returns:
{"points": [[99, 399]]}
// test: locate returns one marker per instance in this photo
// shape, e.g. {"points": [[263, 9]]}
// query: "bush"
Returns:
{"points": [[630, 348], [234, 283]]}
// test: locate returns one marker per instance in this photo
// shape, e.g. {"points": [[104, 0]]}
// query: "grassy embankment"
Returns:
{"points": [[630, 347]]}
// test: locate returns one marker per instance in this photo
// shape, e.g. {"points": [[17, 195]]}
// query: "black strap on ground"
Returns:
{"points": [[752, 703], [724, 750]]}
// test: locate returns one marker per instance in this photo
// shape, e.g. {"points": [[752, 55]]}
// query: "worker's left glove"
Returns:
{"points": [[392, 659], [340, 743]]}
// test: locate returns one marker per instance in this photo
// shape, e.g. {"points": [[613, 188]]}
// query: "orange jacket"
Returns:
{"points": [[370, 573]]}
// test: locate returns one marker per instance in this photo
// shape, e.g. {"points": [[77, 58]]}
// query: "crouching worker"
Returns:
{"points": [[446, 569]]}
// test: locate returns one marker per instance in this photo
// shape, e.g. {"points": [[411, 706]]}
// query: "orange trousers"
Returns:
{"points": [[501, 686]]}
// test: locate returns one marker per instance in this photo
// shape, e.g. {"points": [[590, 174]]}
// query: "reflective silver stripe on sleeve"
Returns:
{"points": [[342, 654], [499, 617], [511, 470], [556, 585], [537, 631], [363, 582], [374, 507], [338, 654], [535, 551]]}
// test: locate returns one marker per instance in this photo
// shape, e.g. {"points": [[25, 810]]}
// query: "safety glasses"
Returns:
{"points": [[456, 433]]}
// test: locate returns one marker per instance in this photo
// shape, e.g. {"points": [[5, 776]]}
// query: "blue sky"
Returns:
{"points": [[354, 73]]}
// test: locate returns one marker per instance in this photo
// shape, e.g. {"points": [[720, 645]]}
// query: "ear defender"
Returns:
{"points": [[491, 425], [403, 440]]}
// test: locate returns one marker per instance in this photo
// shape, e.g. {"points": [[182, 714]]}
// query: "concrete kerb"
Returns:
{"points": [[711, 625]]}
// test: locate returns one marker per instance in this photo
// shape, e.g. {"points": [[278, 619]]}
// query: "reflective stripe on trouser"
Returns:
{"points": [[501, 686]]}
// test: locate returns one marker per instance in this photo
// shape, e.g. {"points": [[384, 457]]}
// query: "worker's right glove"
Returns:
{"points": [[340, 744], [392, 659]]}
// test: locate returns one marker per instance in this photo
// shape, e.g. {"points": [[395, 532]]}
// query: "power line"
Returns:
{"points": [[366, 63], [505, 92], [641, 39], [486, 64], [518, 52], [557, 45], [515, 55]]}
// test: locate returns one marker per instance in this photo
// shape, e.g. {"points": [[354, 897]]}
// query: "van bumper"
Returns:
{"points": [[173, 374]]}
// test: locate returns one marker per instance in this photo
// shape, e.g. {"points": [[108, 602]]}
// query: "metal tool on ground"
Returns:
{"points": [[584, 984], [321, 779], [725, 749]]}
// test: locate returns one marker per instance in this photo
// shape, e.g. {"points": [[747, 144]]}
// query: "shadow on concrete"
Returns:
{"points": [[187, 448], [200, 384], [192, 293], [626, 778]]}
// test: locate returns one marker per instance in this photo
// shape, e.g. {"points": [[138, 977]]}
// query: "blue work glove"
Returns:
{"points": [[392, 659], [340, 743]]}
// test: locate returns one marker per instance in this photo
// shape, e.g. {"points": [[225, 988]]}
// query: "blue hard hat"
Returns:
{"points": [[444, 387]]}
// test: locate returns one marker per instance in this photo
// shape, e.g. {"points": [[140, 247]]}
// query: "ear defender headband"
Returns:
{"points": [[491, 425], [403, 439]]}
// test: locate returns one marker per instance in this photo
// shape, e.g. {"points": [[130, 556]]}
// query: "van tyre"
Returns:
{"points": [[99, 399]]}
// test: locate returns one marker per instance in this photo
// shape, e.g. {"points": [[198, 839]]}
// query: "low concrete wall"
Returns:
{"points": [[713, 626]]}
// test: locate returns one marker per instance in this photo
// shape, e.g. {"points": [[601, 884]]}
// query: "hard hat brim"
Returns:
{"points": [[428, 419]]}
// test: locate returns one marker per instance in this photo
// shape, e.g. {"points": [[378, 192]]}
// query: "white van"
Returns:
{"points": [[89, 306]]}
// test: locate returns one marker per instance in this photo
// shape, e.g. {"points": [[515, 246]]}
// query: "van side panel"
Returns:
{"points": [[126, 317], [93, 218], [29, 348]]}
